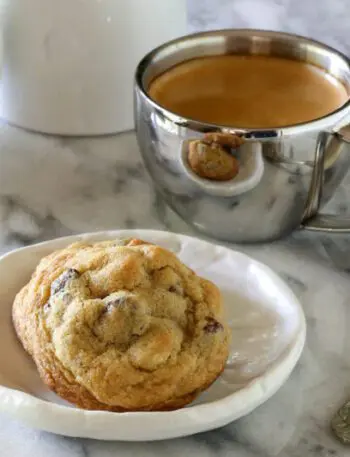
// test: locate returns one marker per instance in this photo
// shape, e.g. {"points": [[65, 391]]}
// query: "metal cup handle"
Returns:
{"points": [[325, 155]]}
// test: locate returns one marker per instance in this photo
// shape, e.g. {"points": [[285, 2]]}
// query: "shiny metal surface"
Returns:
{"points": [[298, 168]]}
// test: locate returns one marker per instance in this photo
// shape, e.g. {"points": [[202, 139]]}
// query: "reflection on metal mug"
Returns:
{"points": [[287, 174], [251, 170]]}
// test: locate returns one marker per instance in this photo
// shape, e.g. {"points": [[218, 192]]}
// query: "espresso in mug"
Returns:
{"points": [[248, 91]]}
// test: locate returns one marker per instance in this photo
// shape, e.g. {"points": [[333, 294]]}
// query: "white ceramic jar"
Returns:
{"points": [[68, 65]]}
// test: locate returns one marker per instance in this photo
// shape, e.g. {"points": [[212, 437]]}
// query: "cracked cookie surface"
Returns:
{"points": [[211, 157], [122, 326]]}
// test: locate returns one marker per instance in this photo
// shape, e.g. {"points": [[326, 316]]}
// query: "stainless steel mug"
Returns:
{"points": [[288, 174]]}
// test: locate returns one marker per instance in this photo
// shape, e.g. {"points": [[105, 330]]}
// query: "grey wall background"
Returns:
{"points": [[325, 20]]}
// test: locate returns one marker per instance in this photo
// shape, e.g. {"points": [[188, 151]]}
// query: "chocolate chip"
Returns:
{"points": [[225, 147], [212, 326], [61, 282], [176, 289]]}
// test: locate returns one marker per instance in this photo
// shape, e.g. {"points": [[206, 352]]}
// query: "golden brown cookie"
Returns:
{"points": [[122, 326], [212, 161], [224, 139]]}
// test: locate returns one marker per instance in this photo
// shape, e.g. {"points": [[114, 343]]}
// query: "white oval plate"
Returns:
{"points": [[268, 327]]}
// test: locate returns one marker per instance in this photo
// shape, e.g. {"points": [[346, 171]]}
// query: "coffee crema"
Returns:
{"points": [[248, 91]]}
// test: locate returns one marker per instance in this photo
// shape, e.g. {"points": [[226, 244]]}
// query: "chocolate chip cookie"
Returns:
{"points": [[122, 326], [211, 157]]}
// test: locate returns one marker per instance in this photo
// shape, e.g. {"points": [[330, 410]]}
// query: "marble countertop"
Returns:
{"points": [[51, 187]]}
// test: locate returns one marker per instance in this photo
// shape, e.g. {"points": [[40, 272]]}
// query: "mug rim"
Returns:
{"points": [[327, 122]]}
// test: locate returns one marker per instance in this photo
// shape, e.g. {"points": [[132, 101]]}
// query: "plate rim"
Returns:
{"points": [[12, 400]]}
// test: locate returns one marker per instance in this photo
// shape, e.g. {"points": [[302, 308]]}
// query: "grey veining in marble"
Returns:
{"points": [[325, 20], [51, 187]]}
